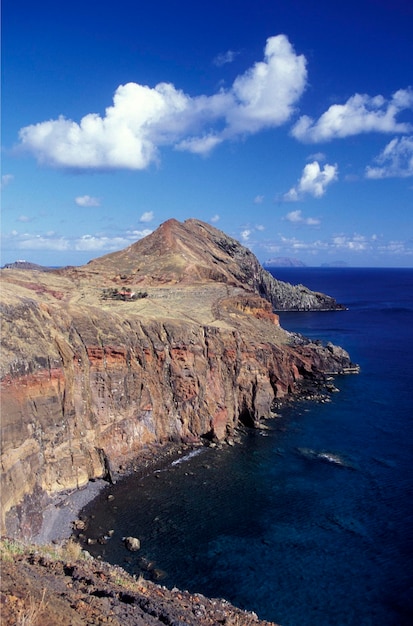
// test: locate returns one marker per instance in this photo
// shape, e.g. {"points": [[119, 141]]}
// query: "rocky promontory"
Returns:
{"points": [[174, 339]]}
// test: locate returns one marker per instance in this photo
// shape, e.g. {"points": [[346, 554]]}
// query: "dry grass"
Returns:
{"points": [[30, 614], [69, 551]]}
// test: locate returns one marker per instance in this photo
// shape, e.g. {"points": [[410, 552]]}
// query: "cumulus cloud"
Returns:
{"points": [[296, 217], [225, 57], [314, 181], [396, 160], [215, 218], [87, 201], [146, 217], [143, 119], [360, 114]]}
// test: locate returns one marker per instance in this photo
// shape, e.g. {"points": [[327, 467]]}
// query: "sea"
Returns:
{"points": [[309, 521]]}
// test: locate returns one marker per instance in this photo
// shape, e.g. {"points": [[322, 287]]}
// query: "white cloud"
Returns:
{"points": [[225, 57], [42, 242], [354, 243], [215, 218], [245, 235], [146, 217], [296, 217], [91, 242], [144, 119], [52, 241], [360, 114], [314, 181], [6, 179], [396, 160], [258, 199], [24, 218], [350, 246], [199, 145], [317, 156], [87, 201], [267, 93]]}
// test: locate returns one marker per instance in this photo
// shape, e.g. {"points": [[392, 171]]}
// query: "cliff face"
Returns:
{"points": [[87, 381]]}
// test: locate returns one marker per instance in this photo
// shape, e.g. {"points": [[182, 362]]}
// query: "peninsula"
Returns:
{"points": [[176, 338]]}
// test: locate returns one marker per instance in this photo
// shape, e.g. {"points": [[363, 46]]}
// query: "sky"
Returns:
{"points": [[286, 124]]}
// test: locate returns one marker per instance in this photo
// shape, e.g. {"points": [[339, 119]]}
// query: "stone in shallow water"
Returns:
{"points": [[132, 543]]}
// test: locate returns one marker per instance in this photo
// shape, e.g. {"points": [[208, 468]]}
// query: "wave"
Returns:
{"points": [[326, 457], [186, 458]]}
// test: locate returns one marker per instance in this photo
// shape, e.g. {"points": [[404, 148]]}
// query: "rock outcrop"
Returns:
{"points": [[87, 382], [42, 587]]}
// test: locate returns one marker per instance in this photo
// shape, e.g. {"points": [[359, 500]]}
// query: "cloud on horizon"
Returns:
{"points": [[341, 244], [143, 119], [314, 181], [360, 114], [58, 243]]}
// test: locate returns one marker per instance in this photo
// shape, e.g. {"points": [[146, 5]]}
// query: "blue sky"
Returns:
{"points": [[288, 125]]}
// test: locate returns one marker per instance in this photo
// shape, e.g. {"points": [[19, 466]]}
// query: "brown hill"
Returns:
{"points": [[195, 252]]}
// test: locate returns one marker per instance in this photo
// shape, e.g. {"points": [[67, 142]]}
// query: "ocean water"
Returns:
{"points": [[309, 522]]}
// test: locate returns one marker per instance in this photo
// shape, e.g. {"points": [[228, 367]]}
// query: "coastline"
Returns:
{"points": [[63, 509]]}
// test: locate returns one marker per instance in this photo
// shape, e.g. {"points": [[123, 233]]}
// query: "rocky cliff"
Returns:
{"points": [[172, 339]]}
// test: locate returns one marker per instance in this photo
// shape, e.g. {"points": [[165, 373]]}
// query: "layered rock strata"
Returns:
{"points": [[87, 382]]}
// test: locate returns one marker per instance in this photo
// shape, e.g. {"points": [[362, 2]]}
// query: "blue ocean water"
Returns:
{"points": [[308, 522]]}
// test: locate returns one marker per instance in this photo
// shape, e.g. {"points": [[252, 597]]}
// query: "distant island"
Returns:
{"points": [[25, 265], [283, 261]]}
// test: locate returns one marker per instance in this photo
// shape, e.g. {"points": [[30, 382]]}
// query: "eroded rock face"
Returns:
{"points": [[87, 383]]}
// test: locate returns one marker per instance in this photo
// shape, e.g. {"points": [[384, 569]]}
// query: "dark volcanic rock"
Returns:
{"points": [[41, 588]]}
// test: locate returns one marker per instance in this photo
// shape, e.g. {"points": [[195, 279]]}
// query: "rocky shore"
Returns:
{"points": [[52, 580], [51, 585], [60, 514]]}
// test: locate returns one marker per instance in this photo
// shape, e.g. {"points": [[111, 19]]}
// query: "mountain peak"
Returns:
{"points": [[194, 252]]}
